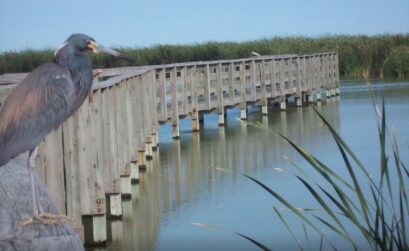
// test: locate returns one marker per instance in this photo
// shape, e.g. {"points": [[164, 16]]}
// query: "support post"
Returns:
{"points": [[264, 110], [175, 129], [148, 148], [298, 101], [243, 114], [195, 121], [141, 159], [328, 94], [221, 117], [283, 105], [126, 190], [134, 172], [175, 105], [319, 96], [310, 98], [114, 205]]}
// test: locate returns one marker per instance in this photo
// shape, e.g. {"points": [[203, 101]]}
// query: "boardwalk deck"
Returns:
{"points": [[99, 149]]}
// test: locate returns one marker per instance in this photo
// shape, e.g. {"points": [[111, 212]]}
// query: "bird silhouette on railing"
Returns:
{"points": [[49, 95]]}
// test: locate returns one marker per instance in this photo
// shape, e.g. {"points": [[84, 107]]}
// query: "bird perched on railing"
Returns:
{"points": [[48, 96]]}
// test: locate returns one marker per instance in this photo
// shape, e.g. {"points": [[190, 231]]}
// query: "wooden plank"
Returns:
{"points": [[206, 87], [184, 81], [162, 94], [253, 80], [219, 88], [50, 160], [263, 81], [175, 106], [70, 131], [116, 187]]}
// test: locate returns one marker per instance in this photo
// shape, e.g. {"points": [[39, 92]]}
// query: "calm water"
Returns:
{"points": [[185, 186]]}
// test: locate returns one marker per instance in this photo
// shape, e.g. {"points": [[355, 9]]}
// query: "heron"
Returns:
{"points": [[44, 99]]}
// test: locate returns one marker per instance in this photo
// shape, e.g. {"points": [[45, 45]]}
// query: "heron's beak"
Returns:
{"points": [[96, 48]]}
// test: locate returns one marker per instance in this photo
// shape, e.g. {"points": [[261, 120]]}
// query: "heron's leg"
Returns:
{"points": [[39, 215], [31, 169]]}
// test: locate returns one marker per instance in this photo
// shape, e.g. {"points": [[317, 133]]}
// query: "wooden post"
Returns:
{"points": [[141, 122], [175, 112], [220, 104], [319, 96], [50, 160], [310, 98], [92, 196], [253, 80], [336, 73], [207, 88], [122, 139], [328, 94], [112, 177], [162, 94], [231, 83], [243, 100], [195, 112], [283, 105], [264, 103], [298, 101]]}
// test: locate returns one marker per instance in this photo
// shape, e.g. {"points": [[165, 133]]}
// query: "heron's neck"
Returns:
{"points": [[78, 64]]}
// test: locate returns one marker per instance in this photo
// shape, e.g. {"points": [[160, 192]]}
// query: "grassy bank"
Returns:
{"points": [[378, 56]]}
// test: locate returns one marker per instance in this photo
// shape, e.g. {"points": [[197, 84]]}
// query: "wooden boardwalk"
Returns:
{"points": [[89, 163]]}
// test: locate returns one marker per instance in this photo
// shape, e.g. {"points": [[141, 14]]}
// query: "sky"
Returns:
{"points": [[40, 24]]}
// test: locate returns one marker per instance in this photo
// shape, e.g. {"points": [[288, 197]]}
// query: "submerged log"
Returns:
{"points": [[16, 205]]}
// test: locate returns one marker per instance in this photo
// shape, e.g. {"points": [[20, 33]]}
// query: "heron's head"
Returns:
{"points": [[82, 43]]}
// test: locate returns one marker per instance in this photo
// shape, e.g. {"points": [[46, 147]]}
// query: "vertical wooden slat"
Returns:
{"points": [[231, 84], [253, 80], [219, 89], [207, 87], [50, 161], [175, 106]]}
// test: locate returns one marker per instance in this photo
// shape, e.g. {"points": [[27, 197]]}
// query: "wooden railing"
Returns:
{"points": [[88, 164]]}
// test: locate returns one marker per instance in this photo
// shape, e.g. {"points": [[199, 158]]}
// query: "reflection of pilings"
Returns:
{"points": [[177, 169], [222, 152], [244, 148]]}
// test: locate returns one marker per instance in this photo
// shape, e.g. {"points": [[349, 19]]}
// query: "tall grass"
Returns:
{"points": [[381, 216], [378, 56]]}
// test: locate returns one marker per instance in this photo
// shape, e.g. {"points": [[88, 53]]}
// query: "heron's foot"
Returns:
{"points": [[47, 219]]}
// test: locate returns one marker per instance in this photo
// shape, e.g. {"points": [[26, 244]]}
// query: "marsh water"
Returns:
{"points": [[197, 180]]}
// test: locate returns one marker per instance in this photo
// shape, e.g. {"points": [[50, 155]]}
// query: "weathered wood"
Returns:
{"points": [[16, 205], [206, 87], [175, 106], [243, 99], [219, 88], [50, 167]]}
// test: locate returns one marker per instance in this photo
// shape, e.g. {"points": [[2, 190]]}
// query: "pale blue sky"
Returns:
{"points": [[42, 24]]}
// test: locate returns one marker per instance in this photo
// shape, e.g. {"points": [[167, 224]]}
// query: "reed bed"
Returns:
{"points": [[381, 56]]}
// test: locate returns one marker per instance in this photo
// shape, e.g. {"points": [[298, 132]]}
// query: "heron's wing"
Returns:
{"points": [[39, 104]]}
